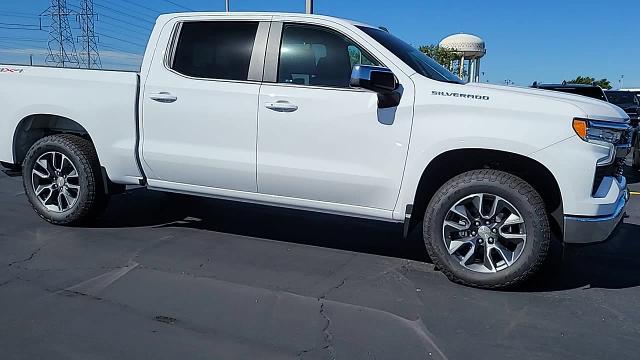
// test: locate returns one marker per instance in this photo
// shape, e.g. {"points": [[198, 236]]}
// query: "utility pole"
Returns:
{"points": [[62, 49], [309, 7], [89, 56]]}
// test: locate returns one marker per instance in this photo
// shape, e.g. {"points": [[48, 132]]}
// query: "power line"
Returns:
{"points": [[119, 39], [118, 20], [155, 12], [124, 13], [17, 13], [124, 22], [23, 25], [178, 5], [117, 32], [9, 15], [21, 39], [18, 28]]}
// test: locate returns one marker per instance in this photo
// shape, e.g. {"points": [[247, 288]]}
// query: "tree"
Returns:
{"points": [[444, 56], [587, 80]]}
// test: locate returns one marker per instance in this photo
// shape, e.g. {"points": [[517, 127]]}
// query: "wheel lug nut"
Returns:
{"points": [[480, 241], [473, 233], [494, 230], [491, 240], [477, 223]]}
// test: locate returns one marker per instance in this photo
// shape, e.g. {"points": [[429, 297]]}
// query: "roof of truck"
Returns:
{"points": [[241, 14]]}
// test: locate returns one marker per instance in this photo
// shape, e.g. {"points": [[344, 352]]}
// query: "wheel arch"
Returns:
{"points": [[455, 162], [37, 126]]}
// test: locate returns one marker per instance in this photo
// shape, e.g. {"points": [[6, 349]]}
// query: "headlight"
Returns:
{"points": [[603, 132]]}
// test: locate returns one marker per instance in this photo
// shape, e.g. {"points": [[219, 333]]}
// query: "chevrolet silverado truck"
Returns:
{"points": [[322, 114]]}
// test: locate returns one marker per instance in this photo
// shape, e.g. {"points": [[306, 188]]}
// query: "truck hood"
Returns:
{"points": [[593, 109]]}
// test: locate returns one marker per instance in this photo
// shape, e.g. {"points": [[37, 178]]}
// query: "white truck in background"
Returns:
{"points": [[323, 114]]}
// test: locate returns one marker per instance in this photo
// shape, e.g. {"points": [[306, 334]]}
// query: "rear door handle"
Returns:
{"points": [[163, 97], [281, 106]]}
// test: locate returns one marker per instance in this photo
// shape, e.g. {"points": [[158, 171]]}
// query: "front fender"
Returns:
{"points": [[419, 160]]}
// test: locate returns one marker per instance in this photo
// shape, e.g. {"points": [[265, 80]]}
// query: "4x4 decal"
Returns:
{"points": [[11, 70]]}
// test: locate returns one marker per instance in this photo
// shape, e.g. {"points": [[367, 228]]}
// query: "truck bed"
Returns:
{"points": [[104, 103]]}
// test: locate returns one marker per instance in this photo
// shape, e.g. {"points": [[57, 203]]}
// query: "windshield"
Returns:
{"points": [[411, 56], [622, 98]]}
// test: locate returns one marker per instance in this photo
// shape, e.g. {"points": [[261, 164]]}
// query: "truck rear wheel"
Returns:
{"points": [[487, 229], [62, 180]]}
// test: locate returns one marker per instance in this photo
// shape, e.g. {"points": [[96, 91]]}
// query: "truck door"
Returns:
{"points": [[319, 139], [200, 103]]}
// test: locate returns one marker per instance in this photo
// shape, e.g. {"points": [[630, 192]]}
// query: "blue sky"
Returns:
{"points": [[542, 40]]}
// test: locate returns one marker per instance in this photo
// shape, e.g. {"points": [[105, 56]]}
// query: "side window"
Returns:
{"points": [[312, 55], [358, 58], [215, 50]]}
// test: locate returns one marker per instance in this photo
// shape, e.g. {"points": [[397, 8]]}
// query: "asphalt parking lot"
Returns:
{"points": [[167, 277]]}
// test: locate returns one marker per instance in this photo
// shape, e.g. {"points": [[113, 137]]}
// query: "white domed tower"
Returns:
{"points": [[470, 48]]}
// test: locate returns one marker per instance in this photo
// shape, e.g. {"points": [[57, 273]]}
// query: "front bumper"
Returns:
{"points": [[587, 229]]}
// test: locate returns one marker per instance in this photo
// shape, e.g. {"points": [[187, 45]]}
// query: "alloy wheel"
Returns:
{"points": [[55, 181], [484, 233]]}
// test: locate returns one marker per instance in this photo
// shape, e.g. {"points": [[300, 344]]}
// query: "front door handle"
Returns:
{"points": [[163, 97], [281, 106]]}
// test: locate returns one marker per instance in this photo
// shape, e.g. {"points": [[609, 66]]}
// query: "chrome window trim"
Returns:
{"points": [[173, 43], [317, 87]]}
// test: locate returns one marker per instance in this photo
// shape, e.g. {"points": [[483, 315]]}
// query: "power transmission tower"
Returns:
{"points": [[89, 56], [62, 49]]}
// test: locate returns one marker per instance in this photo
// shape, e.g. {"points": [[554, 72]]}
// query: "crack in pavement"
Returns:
{"points": [[328, 337], [29, 258], [6, 282]]}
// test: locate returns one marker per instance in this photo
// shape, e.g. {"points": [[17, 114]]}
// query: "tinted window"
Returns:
{"points": [[215, 50], [588, 91], [311, 55], [421, 63]]}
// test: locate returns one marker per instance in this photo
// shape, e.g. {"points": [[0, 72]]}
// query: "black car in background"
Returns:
{"points": [[626, 100], [629, 102], [591, 91]]}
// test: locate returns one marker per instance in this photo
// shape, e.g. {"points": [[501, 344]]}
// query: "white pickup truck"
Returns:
{"points": [[323, 114]]}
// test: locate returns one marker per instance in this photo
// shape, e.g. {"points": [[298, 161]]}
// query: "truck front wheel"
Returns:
{"points": [[487, 229], [62, 179]]}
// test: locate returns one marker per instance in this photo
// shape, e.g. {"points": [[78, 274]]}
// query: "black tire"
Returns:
{"points": [[91, 200], [514, 190]]}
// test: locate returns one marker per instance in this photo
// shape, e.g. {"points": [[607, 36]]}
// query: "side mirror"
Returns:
{"points": [[380, 80]]}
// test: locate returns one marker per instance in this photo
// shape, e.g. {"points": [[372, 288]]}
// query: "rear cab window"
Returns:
{"points": [[215, 49]]}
